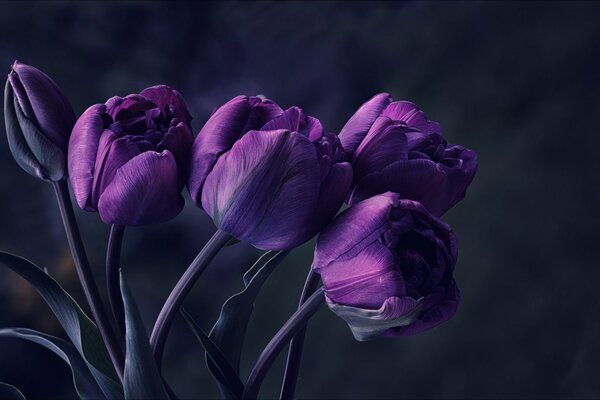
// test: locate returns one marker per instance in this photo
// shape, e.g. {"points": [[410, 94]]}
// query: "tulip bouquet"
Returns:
{"points": [[269, 177]]}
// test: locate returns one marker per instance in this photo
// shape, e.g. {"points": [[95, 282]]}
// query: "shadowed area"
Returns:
{"points": [[516, 82]]}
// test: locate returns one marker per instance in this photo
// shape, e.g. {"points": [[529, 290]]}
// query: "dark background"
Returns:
{"points": [[517, 82]]}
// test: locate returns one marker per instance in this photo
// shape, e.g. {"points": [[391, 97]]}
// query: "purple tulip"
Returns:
{"points": [[266, 176], [394, 147], [128, 157], [39, 119], [387, 267]]}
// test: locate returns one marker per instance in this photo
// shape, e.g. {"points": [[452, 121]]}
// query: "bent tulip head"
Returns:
{"points": [[394, 147], [128, 157], [387, 267], [39, 119], [269, 177]]}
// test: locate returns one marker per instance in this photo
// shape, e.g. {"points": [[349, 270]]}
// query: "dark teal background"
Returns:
{"points": [[516, 81]]}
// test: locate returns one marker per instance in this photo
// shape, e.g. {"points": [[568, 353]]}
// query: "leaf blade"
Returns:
{"points": [[82, 332], [85, 384], [228, 376], [230, 329], [141, 379], [9, 392]]}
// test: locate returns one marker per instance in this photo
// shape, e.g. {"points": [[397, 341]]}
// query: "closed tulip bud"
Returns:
{"points": [[268, 177], [128, 157], [394, 147], [39, 119], [387, 267]]}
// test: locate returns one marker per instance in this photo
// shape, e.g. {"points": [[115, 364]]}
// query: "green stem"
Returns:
{"points": [[292, 366], [86, 277], [186, 282], [296, 322], [113, 264]]}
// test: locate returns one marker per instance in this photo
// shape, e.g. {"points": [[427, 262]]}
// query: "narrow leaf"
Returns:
{"points": [[227, 374], [230, 329], [9, 392], [84, 381], [141, 377], [82, 332]]}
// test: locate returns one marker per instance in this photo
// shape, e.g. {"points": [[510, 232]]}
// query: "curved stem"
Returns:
{"points": [[296, 322], [292, 366], [113, 261], [86, 277], [186, 282]]}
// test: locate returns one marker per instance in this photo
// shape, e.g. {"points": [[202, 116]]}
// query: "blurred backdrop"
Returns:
{"points": [[517, 82]]}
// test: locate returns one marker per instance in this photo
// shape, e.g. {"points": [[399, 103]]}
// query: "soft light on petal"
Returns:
{"points": [[359, 124], [83, 147], [267, 183], [146, 190]]}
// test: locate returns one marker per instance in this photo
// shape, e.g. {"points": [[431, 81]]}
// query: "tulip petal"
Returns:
{"points": [[359, 124], [16, 141], [267, 183], [294, 120], [354, 229], [365, 280], [83, 147], [168, 100], [178, 141], [366, 324], [412, 116], [220, 132], [53, 112], [113, 153], [440, 313], [436, 187], [384, 144], [144, 191], [52, 160], [333, 191]]}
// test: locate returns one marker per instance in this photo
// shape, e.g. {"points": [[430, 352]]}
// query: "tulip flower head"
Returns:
{"points": [[394, 147], [266, 176], [128, 157], [387, 267], [39, 119]]}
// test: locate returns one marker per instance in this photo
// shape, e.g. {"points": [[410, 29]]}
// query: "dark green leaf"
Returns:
{"points": [[229, 331], [227, 375], [84, 381], [9, 392], [79, 328], [141, 377]]}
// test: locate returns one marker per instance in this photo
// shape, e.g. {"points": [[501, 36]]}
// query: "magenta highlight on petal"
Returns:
{"points": [[387, 267], [128, 158], [268, 177], [394, 147]]}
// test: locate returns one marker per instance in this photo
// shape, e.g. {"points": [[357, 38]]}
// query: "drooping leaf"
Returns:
{"points": [[82, 332], [227, 375], [230, 329], [141, 378], [84, 381], [9, 392]]}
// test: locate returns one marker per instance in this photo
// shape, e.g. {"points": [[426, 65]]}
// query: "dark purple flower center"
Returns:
{"points": [[435, 148], [143, 124], [416, 253]]}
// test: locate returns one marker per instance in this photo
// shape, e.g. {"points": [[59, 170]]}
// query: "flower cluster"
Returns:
{"points": [[267, 176]]}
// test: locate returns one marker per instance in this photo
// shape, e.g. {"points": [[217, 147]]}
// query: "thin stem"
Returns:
{"points": [[292, 366], [296, 322], [113, 264], [186, 282], [86, 277]]}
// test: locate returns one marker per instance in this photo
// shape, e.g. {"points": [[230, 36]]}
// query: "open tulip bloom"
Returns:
{"points": [[271, 177]]}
